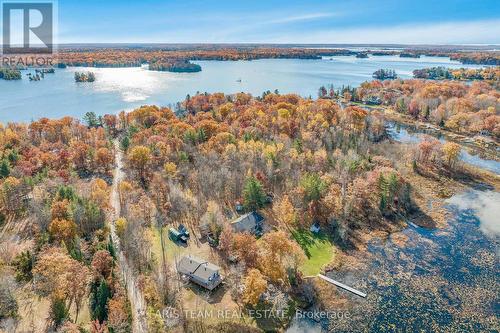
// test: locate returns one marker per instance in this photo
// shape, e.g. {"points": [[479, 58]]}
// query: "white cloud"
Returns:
{"points": [[299, 18], [267, 28], [485, 206]]}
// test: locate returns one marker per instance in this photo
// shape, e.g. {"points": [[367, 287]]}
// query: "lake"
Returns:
{"points": [[438, 280], [118, 89]]}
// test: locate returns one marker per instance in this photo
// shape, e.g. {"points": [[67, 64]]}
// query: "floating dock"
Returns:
{"points": [[343, 286]]}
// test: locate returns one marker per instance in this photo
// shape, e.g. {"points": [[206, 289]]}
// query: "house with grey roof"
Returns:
{"points": [[250, 222], [200, 271]]}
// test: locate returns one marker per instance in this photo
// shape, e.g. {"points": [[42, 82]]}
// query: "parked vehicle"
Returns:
{"points": [[176, 236], [183, 230]]}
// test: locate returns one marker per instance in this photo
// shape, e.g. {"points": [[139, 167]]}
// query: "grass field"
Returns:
{"points": [[318, 249], [172, 250]]}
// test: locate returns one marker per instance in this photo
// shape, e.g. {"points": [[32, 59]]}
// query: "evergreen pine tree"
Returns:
{"points": [[125, 143], [4, 169], [253, 194], [59, 313], [99, 295]]}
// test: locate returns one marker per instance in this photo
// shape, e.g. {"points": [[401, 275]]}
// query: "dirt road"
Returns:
{"points": [[139, 324]]}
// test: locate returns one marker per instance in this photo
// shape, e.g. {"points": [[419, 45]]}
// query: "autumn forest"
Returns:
{"points": [[248, 204], [301, 164]]}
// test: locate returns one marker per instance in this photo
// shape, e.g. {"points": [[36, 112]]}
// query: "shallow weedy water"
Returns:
{"points": [[443, 280]]}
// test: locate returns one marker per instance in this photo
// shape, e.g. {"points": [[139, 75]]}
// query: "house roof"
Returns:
{"points": [[194, 266], [246, 222]]}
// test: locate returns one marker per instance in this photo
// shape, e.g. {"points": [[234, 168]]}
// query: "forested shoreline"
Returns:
{"points": [[464, 108], [179, 60], [297, 162]]}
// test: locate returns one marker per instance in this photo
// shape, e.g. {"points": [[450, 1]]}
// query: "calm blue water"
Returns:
{"points": [[118, 89]]}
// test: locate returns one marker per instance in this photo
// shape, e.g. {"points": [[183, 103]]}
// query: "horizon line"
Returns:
{"points": [[284, 43]]}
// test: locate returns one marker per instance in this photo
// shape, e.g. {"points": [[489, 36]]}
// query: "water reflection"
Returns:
{"points": [[431, 280], [485, 205]]}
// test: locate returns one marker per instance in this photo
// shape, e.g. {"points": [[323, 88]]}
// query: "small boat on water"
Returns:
{"points": [[239, 80]]}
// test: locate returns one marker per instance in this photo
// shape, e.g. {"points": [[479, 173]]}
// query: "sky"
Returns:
{"points": [[278, 21]]}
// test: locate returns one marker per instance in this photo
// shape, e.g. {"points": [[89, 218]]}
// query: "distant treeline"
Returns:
{"points": [[10, 74], [477, 57], [457, 106], [177, 66], [409, 55], [385, 74], [84, 77], [167, 58], [40, 74], [179, 61], [467, 74]]}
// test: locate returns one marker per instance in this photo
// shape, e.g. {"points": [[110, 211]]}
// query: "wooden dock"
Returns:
{"points": [[343, 286]]}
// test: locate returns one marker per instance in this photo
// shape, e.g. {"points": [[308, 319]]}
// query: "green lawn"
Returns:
{"points": [[317, 248], [171, 249]]}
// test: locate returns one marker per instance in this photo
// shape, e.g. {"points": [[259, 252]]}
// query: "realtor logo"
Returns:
{"points": [[28, 27]]}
